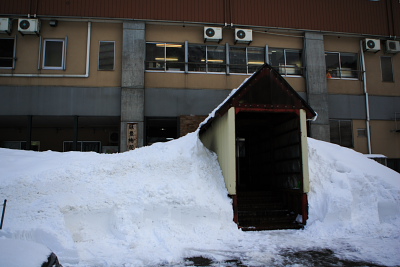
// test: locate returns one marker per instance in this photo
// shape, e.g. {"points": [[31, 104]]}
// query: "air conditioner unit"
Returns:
{"points": [[372, 45], [5, 25], [243, 36], [213, 34], [392, 47], [29, 26]]}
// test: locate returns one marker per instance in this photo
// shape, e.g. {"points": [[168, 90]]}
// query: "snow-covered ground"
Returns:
{"points": [[160, 204]]}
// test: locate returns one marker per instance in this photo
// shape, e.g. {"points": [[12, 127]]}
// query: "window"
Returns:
{"points": [[207, 58], [286, 61], [7, 53], [161, 129], [341, 65], [387, 69], [165, 56], [84, 146], [106, 55], [245, 59], [54, 53], [341, 132]]}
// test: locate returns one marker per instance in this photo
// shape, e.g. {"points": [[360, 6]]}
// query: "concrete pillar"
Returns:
{"points": [[317, 89], [132, 91]]}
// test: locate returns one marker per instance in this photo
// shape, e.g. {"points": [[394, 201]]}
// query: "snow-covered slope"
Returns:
{"points": [[159, 204]]}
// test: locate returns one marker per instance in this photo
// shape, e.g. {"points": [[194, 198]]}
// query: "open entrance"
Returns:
{"points": [[269, 170]]}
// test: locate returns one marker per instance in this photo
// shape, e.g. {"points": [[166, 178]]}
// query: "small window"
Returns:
{"points": [[165, 56], [341, 132], [106, 55], [53, 56], [341, 65], [286, 61], [387, 69], [7, 53]]}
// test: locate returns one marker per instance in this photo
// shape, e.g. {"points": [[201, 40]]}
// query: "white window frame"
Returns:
{"points": [[63, 54], [98, 61], [341, 69], [14, 53]]}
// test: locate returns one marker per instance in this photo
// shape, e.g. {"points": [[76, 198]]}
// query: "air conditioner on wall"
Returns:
{"points": [[213, 34], [372, 45], [243, 36], [392, 47], [29, 26], [5, 25]]}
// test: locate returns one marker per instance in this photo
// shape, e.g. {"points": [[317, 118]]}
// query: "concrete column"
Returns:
{"points": [[317, 89], [132, 91]]}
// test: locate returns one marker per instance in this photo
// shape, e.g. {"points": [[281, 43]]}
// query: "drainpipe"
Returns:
{"points": [[364, 78], [86, 75]]}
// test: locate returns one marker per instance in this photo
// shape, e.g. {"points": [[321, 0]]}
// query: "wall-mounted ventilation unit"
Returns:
{"points": [[5, 25], [372, 45], [29, 26], [243, 36], [213, 34], [392, 47]]}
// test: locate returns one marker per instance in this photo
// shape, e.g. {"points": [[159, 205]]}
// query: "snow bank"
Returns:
{"points": [[158, 204], [143, 207]]}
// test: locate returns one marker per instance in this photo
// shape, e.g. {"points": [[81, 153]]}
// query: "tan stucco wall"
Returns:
{"points": [[221, 138], [28, 55], [384, 140]]}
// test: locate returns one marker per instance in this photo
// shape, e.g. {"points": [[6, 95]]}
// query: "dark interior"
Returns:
{"points": [[269, 170]]}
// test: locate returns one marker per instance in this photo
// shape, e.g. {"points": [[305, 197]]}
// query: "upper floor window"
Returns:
{"points": [[106, 55], [54, 54], [387, 69], [7, 53], [206, 58], [286, 61], [246, 59], [165, 56], [341, 65]]}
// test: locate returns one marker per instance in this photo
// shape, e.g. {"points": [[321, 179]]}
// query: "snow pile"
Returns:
{"points": [[159, 204]]}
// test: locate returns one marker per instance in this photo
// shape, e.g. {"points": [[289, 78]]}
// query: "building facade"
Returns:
{"points": [[111, 76]]}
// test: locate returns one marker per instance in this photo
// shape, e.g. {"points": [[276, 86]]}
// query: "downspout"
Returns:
{"points": [[86, 75], [364, 78]]}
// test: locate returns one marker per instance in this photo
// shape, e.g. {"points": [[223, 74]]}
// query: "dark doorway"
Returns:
{"points": [[269, 170], [161, 129]]}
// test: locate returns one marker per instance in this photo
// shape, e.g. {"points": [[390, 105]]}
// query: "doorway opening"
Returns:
{"points": [[269, 170]]}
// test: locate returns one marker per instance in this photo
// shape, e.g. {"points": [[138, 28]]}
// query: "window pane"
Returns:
{"points": [[346, 134], [277, 59], [255, 57], [334, 131], [387, 69], [197, 58], [155, 56], [348, 62], [53, 54], [106, 56], [216, 58], [237, 57], [332, 64], [175, 57], [293, 62], [6, 53]]}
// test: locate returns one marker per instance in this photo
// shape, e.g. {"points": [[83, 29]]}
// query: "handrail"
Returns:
{"points": [[2, 214]]}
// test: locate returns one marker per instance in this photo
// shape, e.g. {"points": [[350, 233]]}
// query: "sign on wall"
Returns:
{"points": [[132, 135]]}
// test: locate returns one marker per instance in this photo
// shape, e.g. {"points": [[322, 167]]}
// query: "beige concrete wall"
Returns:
{"points": [[375, 86], [28, 55], [221, 138], [360, 142], [384, 140]]}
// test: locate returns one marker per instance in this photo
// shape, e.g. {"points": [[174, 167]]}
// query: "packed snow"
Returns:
{"points": [[160, 204]]}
